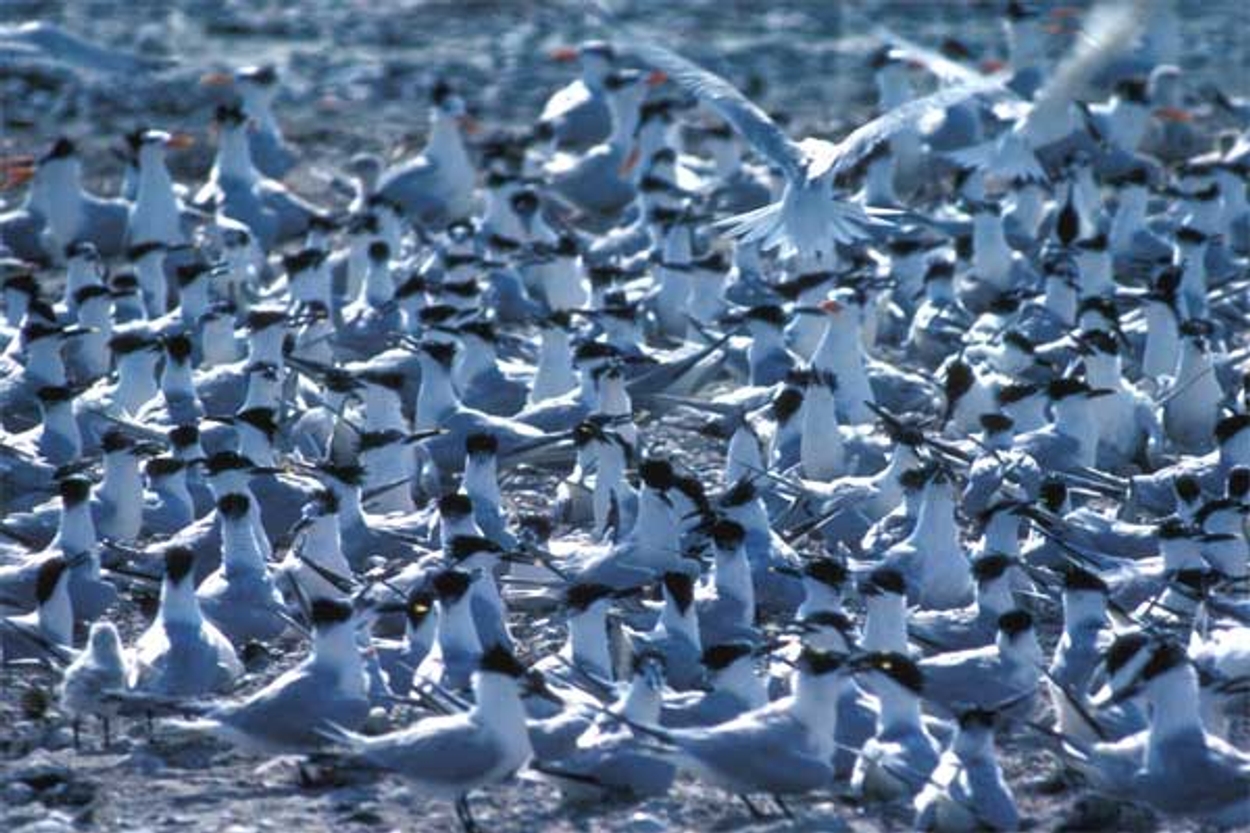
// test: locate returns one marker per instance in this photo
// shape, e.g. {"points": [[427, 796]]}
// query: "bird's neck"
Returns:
{"points": [[436, 398], [554, 375], [44, 363], [733, 578], [60, 430], [234, 157], [588, 641], [994, 597], [1174, 712], [885, 626], [1081, 611], [481, 480], [456, 631], [56, 615], [179, 604], [240, 553], [76, 532], [900, 710], [991, 256], [1095, 272]]}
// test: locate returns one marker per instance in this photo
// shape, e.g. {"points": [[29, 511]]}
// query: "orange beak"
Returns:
{"points": [[216, 79], [469, 125], [831, 306], [16, 172], [992, 65], [181, 141], [563, 54], [656, 78], [1061, 28], [1065, 11], [1174, 114], [631, 162]]}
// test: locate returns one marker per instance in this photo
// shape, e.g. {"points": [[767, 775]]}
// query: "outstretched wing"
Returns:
{"points": [[1109, 30], [849, 152], [944, 69], [752, 123]]}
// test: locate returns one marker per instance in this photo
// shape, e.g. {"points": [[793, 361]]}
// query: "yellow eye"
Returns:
{"points": [[420, 609]]}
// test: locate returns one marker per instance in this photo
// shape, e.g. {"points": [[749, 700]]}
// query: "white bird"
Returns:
{"points": [[181, 654], [451, 755], [293, 713], [95, 678]]}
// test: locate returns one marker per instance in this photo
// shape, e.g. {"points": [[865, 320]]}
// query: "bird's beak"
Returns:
{"points": [[656, 78], [563, 54], [830, 306], [180, 141], [469, 125], [1061, 12], [1176, 115], [16, 171], [216, 79], [992, 65], [630, 162]]}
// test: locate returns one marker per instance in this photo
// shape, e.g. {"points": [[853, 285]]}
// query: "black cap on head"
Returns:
{"points": [[582, 595], [1172, 529], [728, 534], [719, 657], [1238, 481], [62, 148], [467, 546], [1123, 648], [656, 473], [164, 466], [451, 585], [379, 251], [681, 587], [179, 561], [455, 505], [481, 443], [884, 580], [898, 667], [233, 505], [819, 662], [1231, 426], [996, 423], [1015, 622], [992, 566], [499, 660], [74, 490], [47, 578], [1167, 655], [184, 435], [1187, 488], [826, 570], [440, 351], [328, 612], [1079, 579], [114, 441], [179, 347]]}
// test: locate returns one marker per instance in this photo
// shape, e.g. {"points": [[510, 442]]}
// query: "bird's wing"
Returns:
{"points": [[751, 123], [1110, 29], [846, 154], [937, 64]]}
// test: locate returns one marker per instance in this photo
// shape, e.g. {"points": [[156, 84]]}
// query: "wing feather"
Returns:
{"points": [[751, 123]]}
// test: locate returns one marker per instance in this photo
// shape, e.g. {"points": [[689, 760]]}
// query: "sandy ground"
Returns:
{"points": [[356, 75]]}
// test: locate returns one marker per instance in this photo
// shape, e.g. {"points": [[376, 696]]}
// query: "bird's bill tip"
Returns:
{"points": [[992, 65], [180, 141], [630, 162], [656, 77], [1176, 115], [830, 306], [16, 172], [563, 54], [469, 125], [216, 79]]}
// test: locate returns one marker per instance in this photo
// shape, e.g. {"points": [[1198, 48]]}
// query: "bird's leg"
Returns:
{"points": [[756, 813], [465, 815], [785, 811], [104, 721], [76, 727], [151, 725]]}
